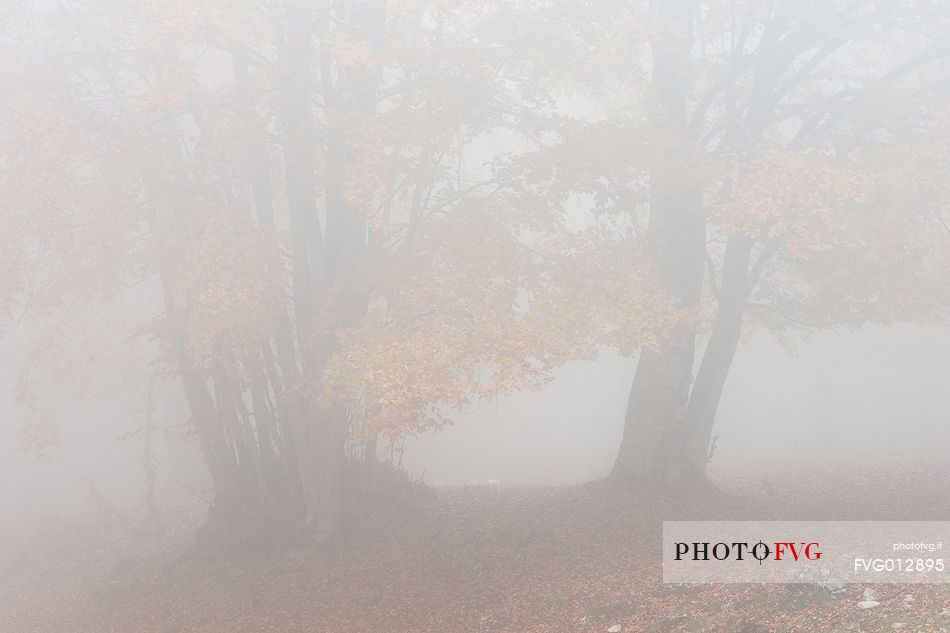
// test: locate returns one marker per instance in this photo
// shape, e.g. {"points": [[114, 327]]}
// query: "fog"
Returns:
{"points": [[426, 315], [834, 397]]}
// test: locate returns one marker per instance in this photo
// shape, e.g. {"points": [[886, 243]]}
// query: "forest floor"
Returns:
{"points": [[480, 559]]}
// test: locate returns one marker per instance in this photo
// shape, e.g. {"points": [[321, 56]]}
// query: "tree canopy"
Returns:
{"points": [[345, 220]]}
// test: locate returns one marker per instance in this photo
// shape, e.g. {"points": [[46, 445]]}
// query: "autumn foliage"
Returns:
{"points": [[344, 221]]}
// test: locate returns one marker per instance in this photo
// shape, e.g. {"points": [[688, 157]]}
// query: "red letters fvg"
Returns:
{"points": [[797, 550]]}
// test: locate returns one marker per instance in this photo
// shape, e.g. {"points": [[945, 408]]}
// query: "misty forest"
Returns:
{"points": [[423, 315]]}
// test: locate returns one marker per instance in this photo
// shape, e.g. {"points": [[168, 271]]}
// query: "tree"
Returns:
{"points": [[350, 220], [805, 139], [310, 204]]}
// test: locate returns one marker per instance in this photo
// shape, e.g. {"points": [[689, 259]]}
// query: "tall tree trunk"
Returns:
{"points": [[718, 356], [656, 411], [669, 422], [328, 424], [276, 426], [217, 452], [344, 248], [306, 236], [325, 259]]}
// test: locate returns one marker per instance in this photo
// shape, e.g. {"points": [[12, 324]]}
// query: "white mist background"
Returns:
{"points": [[839, 394]]}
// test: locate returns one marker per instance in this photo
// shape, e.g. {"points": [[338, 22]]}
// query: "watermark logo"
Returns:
{"points": [[760, 551], [799, 552]]}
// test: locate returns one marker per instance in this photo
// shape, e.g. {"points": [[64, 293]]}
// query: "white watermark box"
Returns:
{"points": [[817, 552]]}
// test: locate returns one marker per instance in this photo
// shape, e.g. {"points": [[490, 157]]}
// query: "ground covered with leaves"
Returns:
{"points": [[477, 559]]}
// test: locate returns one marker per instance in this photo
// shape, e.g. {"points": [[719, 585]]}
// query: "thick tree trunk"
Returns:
{"points": [[345, 247], [656, 411], [669, 425], [326, 259]]}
